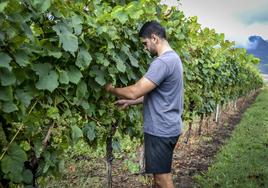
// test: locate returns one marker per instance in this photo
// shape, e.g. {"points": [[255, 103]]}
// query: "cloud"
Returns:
{"points": [[255, 16], [237, 19]]}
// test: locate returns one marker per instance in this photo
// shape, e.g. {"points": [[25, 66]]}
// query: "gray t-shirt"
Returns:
{"points": [[163, 106]]}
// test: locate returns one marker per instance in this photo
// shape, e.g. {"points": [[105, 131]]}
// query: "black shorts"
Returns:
{"points": [[158, 153]]}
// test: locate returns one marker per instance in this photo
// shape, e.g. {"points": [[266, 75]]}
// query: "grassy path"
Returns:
{"points": [[243, 162]]}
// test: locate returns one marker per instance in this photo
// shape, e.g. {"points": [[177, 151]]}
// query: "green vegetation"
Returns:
{"points": [[57, 55], [243, 162], [85, 167]]}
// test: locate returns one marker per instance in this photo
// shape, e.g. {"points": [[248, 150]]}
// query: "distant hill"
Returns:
{"points": [[259, 48]]}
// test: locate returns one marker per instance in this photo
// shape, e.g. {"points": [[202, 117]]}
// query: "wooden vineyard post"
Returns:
{"points": [[109, 155], [218, 113]]}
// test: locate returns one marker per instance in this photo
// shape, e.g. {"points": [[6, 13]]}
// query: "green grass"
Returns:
{"points": [[243, 162]]}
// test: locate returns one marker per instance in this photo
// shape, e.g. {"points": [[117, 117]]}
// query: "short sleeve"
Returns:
{"points": [[157, 71]]}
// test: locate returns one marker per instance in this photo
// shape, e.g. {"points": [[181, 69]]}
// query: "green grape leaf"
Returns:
{"points": [[76, 133], [76, 23], [55, 54], [74, 75], [41, 5], [81, 89], [22, 58], [83, 59], [89, 130], [64, 78], [27, 176], [7, 164], [24, 97], [91, 109], [36, 30], [133, 60], [42, 69], [116, 145], [13, 162], [85, 105], [6, 93], [102, 60], [136, 14], [12, 168], [7, 78], [102, 29], [5, 60], [113, 33], [69, 40], [119, 14], [48, 82], [120, 66], [3, 5], [100, 80], [9, 107], [45, 5], [119, 63], [98, 74]]}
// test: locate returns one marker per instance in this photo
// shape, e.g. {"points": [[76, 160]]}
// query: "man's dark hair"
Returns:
{"points": [[152, 27]]}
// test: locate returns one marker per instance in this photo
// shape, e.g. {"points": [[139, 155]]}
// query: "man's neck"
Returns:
{"points": [[163, 47]]}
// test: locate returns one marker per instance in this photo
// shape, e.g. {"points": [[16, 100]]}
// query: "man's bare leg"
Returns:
{"points": [[163, 180]]}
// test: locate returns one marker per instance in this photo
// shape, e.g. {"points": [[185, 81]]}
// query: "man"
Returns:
{"points": [[161, 92]]}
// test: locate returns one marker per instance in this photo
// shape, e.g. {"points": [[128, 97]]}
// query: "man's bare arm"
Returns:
{"points": [[138, 100], [133, 92], [124, 103], [129, 101]]}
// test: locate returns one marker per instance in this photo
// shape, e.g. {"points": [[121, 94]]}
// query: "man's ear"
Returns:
{"points": [[154, 38]]}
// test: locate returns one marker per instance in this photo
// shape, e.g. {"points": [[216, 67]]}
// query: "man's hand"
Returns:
{"points": [[123, 103], [132, 92], [109, 87]]}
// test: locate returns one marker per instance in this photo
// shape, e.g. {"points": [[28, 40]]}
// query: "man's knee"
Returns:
{"points": [[158, 178], [164, 180]]}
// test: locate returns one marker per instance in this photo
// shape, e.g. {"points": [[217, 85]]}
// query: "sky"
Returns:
{"points": [[237, 19]]}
